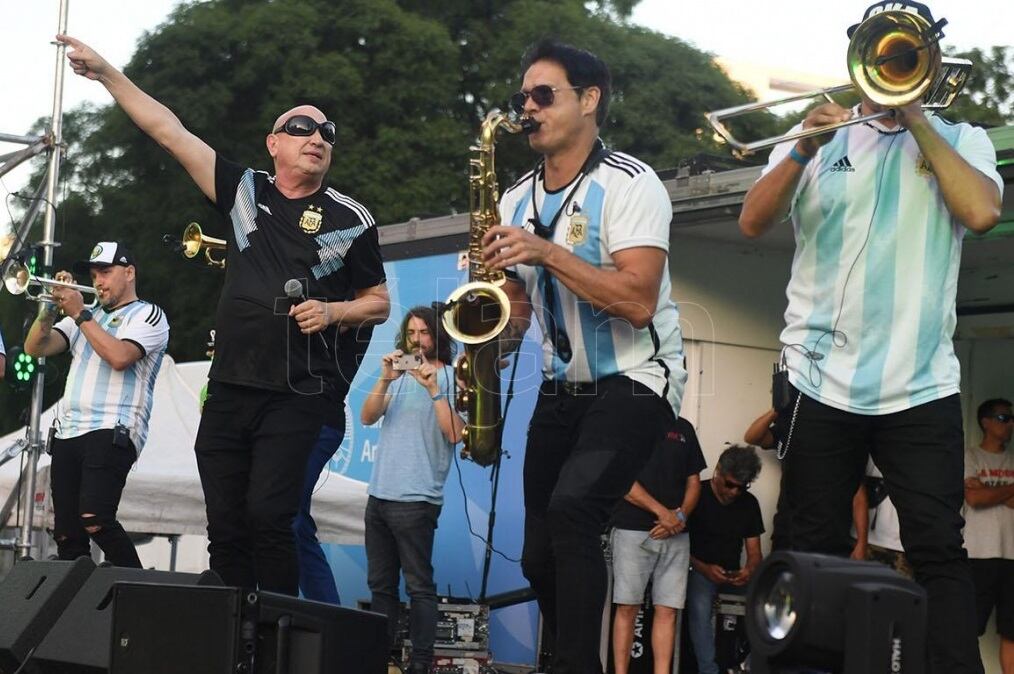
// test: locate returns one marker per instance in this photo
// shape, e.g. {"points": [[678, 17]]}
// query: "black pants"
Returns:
{"points": [[921, 455], [584, 452], [87, 477], [399, 538], [252, 449]]}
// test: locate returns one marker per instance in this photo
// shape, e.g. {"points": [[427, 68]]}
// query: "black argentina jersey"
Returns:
{"points": [[327, 240]]}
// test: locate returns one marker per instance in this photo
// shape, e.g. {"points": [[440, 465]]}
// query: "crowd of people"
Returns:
{"points": [[584, 242]]}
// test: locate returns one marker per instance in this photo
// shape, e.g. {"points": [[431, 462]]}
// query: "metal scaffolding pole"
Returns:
{"points": [[48, 230]]}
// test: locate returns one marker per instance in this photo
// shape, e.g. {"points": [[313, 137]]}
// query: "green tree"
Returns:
{"points": [[406, 81], [988, 96]]}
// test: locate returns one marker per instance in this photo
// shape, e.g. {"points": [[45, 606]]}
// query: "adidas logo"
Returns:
{"points": [[843, 164]]}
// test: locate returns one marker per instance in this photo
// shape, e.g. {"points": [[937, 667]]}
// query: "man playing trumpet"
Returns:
{"points": [[102, 419]]}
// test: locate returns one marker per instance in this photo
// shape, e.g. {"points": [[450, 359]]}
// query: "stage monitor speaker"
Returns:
{"points": [[218, 630], [32, 597], [79, 641]]}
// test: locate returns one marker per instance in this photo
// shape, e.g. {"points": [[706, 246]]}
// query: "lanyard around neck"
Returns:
{"points": [[557, 335], [597, 154]]}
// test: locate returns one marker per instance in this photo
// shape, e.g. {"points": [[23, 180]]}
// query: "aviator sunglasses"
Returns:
{"points": [[304, 125], [542, 95]]}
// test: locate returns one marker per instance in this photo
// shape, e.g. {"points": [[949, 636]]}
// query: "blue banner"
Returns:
{"points": [[458, 552]]}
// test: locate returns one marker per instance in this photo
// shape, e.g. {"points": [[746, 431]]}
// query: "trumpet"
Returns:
{"points": [[194, 241], [893, 59], [20, 281]]}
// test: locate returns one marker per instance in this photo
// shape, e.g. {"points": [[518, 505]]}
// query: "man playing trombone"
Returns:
{"points": [[102, 419], [879, 210]]}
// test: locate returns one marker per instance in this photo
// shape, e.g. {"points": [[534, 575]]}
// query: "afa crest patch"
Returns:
{"points": [[577, 229], [922, 167], [311, 219]]}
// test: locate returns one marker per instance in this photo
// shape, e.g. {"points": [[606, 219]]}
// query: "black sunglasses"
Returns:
{"points": [[304, 125], [1002, 418], [542, 95]]}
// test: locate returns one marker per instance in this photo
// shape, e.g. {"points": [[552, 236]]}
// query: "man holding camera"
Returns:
{"points": [[102, 419], [406, 488]]}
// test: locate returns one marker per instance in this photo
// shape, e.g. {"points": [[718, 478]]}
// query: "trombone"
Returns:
{"points": [[893, 59], [20, 281]]}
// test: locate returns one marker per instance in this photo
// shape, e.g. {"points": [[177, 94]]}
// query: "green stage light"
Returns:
{"points": [[21, 368]]}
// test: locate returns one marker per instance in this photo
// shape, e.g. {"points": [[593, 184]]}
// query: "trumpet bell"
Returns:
{"points": [[19, 280], [194, 241], [16, 279]]}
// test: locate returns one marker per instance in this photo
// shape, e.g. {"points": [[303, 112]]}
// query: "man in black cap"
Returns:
{"points": [[879, 212], [102, 420]]}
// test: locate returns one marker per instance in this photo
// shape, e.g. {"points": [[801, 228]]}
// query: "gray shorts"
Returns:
{"points": [[638, 558]]}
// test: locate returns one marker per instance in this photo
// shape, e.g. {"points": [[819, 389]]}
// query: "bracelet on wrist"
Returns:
{"points": [[798, 157]]}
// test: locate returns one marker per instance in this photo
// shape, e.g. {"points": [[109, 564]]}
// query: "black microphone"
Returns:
{"points": [[294, 291]]}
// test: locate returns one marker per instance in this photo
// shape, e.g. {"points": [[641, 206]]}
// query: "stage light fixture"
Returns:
{"points": [[809, 612]]}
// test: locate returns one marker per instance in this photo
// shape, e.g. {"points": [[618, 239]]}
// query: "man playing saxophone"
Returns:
{"points": [[585, 240]]}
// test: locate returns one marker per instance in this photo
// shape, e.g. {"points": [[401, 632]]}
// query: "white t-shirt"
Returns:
{"points": [[885, 530], [989, 532], [876, 259], [97, 396], [621, 204]]}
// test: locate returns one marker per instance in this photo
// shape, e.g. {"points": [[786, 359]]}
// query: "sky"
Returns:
{"points": [[792, 34]]}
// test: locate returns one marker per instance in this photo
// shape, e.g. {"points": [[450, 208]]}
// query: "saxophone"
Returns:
{"points": [[478, 311]]}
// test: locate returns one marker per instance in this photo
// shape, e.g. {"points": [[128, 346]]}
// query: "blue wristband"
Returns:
{"points": [[437, 397], [798, 157], [681, 517]]}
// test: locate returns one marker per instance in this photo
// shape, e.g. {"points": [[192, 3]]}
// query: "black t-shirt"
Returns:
{"points": [[717, 531], [327, 241], [677, 456]]}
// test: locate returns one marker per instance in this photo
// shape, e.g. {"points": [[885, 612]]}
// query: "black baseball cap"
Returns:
{"points": [[910, 7], [106, 254]]}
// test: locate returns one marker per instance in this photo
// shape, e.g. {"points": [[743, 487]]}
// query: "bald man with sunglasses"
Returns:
{"points": [[274, 380]]}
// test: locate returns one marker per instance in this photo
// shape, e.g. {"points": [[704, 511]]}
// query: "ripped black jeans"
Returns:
{"points": [[87, 477]]}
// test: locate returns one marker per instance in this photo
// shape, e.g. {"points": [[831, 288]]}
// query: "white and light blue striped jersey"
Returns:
{"points": [[3, 352], [621, 204], [876, 261], [97, 396]]}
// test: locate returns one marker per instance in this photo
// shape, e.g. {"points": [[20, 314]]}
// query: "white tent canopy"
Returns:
{"points": [[163, 493]]}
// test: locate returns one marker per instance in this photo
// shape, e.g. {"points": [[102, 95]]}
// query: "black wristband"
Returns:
{"points": [[85, 315]]}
